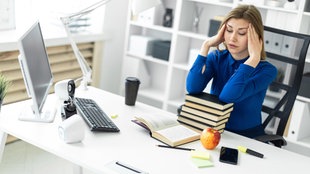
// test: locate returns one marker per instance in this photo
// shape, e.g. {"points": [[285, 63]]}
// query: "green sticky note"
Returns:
{"points": [[200, 154], [200, 163]]}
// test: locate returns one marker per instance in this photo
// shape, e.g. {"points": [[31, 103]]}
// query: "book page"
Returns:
{"points": [[157, 121], [177, 133]]}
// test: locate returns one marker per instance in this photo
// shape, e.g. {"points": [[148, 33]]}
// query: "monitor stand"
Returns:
{"points": [[47, 114]]}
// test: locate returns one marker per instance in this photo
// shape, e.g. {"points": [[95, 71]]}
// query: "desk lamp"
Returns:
{"points": [[86, 70]]}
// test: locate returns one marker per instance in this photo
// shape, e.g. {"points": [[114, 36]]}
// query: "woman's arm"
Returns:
{"points": [[198, 78], [248, 81], [212, 42]]}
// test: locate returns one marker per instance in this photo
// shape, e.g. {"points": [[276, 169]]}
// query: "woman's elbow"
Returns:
{"points": [[191, 89], [228, 98]]}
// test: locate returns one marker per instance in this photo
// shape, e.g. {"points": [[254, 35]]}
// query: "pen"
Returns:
{"points": [[127, 167], [250, 151], [180, 148]]}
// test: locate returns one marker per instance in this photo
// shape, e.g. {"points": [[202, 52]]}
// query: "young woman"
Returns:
{"points": [[240, 73]]}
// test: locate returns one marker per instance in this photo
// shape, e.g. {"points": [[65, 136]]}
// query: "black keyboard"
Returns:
{"points": [[94, 116]]}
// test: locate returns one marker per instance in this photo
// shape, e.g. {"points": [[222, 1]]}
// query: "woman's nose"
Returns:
{"points": [[233, 37]]}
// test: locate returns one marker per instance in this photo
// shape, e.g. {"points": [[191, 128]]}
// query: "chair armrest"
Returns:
{"points": [[276, 140]]}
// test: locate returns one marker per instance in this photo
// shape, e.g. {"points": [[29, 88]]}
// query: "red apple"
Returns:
{"points": [[210, 138]]}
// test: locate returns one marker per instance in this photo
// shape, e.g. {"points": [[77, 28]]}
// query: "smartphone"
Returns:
{"points": [[229, 155]]}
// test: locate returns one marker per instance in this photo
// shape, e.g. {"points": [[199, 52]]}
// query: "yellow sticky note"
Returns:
{"points": [[200, 154], [201, 162], [114, 116]]}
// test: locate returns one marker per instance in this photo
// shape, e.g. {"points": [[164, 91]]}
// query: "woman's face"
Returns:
{"points": [[236, 38]]}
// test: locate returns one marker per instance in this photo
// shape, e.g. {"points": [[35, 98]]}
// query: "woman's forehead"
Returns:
{"points": [[237, 23]]}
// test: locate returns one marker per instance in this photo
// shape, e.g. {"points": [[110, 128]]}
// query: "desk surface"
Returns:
{"points": [[133, 145]]}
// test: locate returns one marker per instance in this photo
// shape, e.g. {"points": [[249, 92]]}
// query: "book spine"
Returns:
{"points": [[208, 100], [203, 114], [210, 110], [202, 119], [200, 124], [198, 128]]}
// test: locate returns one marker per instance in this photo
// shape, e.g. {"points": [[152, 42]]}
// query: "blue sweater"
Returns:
{"points": [[234, 82]]}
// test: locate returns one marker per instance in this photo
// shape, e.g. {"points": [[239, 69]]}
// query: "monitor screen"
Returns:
{"points": [[36, 69]]}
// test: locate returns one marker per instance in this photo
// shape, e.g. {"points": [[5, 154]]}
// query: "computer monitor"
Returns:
{"points": [[37, 75]]}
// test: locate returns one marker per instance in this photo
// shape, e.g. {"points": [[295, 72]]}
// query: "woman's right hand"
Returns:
{"points": [[214, 41]]}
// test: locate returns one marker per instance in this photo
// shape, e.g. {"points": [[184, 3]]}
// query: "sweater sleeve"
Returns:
{"points": [[197, 79], [247, 81]]}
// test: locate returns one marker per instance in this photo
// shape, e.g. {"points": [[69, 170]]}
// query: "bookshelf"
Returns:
{"points": [[163, 81]]}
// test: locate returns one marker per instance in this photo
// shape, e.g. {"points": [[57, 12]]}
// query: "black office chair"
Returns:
{"points": [[287, 51]]}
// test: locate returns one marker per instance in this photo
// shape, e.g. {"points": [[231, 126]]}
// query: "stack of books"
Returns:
{"points": [[204, 110]]}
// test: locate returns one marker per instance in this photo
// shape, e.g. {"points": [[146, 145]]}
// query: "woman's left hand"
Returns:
{"points": [[255, 46]]}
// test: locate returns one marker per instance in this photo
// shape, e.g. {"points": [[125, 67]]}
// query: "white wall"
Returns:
{"points": [[113, 49]]}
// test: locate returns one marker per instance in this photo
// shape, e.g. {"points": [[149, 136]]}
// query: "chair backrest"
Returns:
{"points": [[287, 51]]}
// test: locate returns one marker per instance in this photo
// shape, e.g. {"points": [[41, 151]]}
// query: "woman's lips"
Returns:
{"points": [[232, 46]]}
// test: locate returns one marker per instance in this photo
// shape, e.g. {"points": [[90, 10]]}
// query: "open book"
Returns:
{"points": [[167, 129]]}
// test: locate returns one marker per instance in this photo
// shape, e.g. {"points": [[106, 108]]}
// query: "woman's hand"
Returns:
{"points": [[213, 41], [255, 46]]}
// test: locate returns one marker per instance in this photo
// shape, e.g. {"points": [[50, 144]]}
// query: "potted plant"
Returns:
{"points": [[4, 85]]}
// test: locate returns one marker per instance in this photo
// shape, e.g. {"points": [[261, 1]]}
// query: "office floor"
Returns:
{"points": [[22, 158]]}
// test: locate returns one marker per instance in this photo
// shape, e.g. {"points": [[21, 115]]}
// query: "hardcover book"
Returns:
{"points": [[167, 129], [199, 125], [208, 109], [207, 99], [204, 114], [205, 120]]}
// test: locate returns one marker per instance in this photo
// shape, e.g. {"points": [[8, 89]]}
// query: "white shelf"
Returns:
{"points": [[153, 27], [308, 60], [152, 93], [305, 142], [306, 13], [182, 66], [304, 99], [215, 2], [281, 9], [193, 35], [147, 58]]}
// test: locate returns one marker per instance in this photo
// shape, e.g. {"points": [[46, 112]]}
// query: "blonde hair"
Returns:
{"points": [[251, 14]]}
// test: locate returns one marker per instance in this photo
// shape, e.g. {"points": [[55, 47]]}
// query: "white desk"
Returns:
{"points": [[133, 145]]}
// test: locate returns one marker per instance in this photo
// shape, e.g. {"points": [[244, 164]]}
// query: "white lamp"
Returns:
{"points": [[86, 70], [141, 5]]}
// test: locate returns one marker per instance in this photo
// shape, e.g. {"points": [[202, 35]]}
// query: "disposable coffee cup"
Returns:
{"points": [[131, 90]]}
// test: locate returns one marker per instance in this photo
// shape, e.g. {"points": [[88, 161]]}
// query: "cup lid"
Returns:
{"points": [[132, 79]]}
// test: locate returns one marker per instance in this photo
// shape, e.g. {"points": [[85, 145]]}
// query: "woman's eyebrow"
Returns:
{"points": [[238, 28]]}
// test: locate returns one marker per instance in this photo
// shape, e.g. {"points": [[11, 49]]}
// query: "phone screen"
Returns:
{"points": [[229, 155]]}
